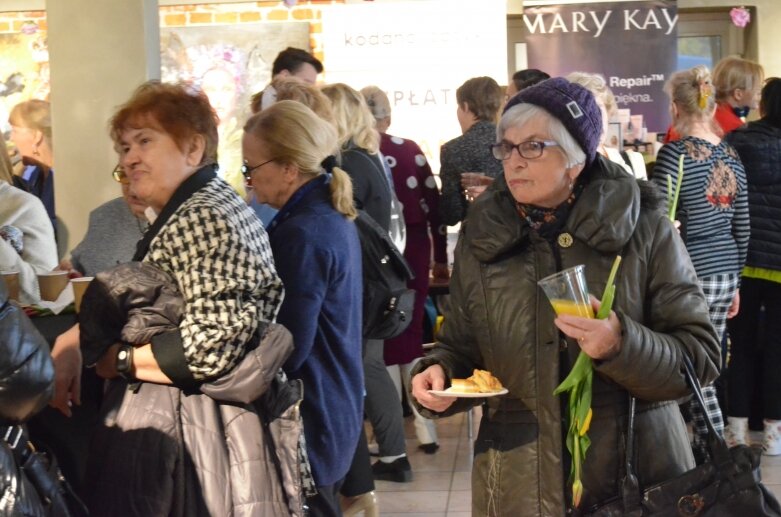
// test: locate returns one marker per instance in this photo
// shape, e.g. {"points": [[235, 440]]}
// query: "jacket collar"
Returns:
{"points": [[303, 195], [760, 126], [604, 216], [190, 186], [481, 126]]}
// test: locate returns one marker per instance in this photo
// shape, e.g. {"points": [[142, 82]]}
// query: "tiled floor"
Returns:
{"points": [[441, 484]]}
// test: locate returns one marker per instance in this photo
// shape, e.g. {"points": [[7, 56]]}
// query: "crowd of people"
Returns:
{"points": [[226, 324]]}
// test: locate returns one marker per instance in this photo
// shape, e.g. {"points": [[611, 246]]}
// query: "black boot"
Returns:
{"points": [[398, 471]]}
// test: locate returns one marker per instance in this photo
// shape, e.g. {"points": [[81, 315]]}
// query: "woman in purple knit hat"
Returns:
{"points": [[558, 205]]}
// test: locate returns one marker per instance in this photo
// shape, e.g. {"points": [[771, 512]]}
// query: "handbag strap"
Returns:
{"points": [[630, 487], [16, 438], [375, 165], [717, 447]]}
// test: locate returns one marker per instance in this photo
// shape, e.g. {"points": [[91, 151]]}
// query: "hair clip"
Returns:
{"points": [[704, 92]]}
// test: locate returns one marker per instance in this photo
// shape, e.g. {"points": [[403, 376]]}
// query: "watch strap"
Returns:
{"points": [[125, 361]]}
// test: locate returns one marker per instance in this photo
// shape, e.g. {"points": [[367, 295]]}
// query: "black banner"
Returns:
{"points": [[633, 44]]}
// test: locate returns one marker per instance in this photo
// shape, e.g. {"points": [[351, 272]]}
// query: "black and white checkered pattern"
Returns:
{"points": [[219, 254], [719, 291]]}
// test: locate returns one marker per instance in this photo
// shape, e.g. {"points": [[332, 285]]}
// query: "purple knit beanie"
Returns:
{"points": [[572, 104]]}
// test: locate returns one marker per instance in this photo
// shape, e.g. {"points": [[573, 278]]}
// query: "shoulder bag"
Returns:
{"points": [[727, 484], [40, 470]]}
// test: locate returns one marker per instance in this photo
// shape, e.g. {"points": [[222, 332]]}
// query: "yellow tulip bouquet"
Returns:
{"points": [[578, 383]]}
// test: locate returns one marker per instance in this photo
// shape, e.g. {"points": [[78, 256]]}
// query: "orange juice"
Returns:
{"points": [[572, 308]]}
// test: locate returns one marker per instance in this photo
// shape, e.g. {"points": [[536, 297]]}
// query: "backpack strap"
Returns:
{"points": [[627, 160], [377, 167]]}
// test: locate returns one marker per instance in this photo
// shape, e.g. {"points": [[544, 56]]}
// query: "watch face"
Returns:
{"points": [[122, 355]]}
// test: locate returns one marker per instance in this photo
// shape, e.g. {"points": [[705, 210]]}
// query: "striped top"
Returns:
{"points": [[714, 196]]}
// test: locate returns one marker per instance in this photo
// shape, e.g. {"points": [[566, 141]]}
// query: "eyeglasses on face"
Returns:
{"points": [[529, 150], [119, 175], [246, 169]]}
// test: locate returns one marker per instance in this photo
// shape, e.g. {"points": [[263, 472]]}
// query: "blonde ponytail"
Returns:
{"points": [[342, 193]]}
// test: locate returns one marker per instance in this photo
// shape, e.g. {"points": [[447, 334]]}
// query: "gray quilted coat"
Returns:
{"points": [[228, 449]]}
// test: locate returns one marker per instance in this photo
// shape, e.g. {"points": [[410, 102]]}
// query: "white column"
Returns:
{"points": [[99, 51]]}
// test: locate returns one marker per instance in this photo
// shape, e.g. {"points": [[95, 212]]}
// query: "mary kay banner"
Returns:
{"points": [[633, 44]]}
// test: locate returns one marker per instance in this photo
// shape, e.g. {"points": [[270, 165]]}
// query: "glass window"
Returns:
{"points": [[698, 50]]}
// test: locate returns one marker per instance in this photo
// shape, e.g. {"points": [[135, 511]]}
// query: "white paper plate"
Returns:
{"points": [[450, 392]]}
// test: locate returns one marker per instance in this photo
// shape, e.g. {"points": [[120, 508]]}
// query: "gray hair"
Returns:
{"points": [[521, 114]]}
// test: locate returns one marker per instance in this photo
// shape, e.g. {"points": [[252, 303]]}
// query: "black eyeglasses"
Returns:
{"points": [[530, 149], [246, 170], [119, 175]]}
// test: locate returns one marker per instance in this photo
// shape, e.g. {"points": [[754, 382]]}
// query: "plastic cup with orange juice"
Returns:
{"points": [[567, 292]]}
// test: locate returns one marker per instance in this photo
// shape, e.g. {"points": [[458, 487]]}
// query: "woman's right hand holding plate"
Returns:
{"points": [[432, 378]]}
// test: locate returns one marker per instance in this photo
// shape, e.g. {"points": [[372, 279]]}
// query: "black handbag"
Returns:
{"points": [[727, 484], [40, 470]]}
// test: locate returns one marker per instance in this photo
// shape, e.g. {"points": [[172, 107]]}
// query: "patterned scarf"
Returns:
{"points": [[549, 221]]}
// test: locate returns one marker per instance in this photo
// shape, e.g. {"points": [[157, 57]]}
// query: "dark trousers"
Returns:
{"points": [[326, 502], [755, 355], [382, 404], [359, 478]]}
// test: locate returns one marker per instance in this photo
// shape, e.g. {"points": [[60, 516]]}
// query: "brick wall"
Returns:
{"points": [[207, 14], [14, 22], [249, 12]]}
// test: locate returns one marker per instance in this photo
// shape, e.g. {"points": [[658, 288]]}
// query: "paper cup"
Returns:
{"points": [[11, 283], [567, 292], [51, 284], [79, 286]]}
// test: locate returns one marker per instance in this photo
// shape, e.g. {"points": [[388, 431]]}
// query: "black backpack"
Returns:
{"points": [[387, 302]]}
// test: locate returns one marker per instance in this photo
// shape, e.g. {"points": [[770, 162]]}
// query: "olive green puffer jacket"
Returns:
{"points": [[501, 321]]}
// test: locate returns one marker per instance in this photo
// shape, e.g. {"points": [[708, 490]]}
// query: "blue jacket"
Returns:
{"points": [[318, 257]]}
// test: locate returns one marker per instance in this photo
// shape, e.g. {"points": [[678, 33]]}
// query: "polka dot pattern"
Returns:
{"points": [[420, 160], [412, 182], [431, 182], [396, 140]]}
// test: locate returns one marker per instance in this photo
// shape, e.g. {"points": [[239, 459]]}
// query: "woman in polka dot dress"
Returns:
{"points": [[417, 191]]}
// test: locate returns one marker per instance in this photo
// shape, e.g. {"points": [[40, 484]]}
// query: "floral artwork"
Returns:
{"points": [[229, 63], [24, 69]]}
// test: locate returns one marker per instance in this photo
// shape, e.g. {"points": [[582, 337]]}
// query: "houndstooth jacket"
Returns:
{"points": [[218, 252]]}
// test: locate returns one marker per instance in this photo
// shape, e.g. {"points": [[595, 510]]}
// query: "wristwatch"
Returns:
{"points": [[125, 361]]}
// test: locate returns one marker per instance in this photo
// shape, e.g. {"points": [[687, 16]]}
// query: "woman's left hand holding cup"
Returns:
{"points": [[598, 339]]}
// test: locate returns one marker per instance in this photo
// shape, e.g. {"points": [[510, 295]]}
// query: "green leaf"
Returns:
{"points": [[606, 305], [580, 369], [585, 443], [672, 207], [584, 402]]}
